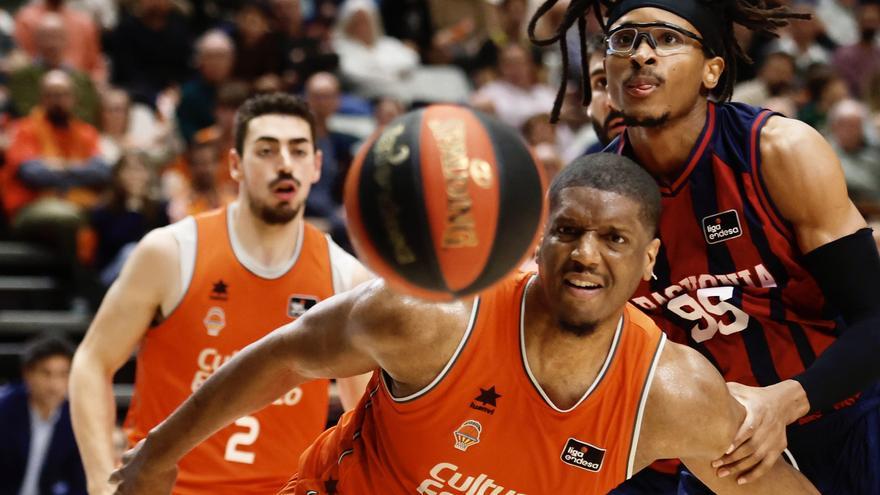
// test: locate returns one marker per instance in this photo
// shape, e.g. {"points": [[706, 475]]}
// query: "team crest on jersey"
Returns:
{"points": [[215, 321], [468, 434], [298, 304], [583, 455], [722, 227]]}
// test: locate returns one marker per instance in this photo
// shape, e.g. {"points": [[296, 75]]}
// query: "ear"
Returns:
{"points": [[650, 258], [235, 168], [319, 161], [712, 70]]}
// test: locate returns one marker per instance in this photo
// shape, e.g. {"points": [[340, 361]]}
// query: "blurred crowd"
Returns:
{"points": [[117, 115]]}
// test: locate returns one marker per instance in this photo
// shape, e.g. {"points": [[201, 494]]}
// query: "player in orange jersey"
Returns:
{"points": [[547, 383], [195, 293]]}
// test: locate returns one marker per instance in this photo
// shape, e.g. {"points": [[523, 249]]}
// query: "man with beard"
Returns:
{"points": [[607, 120], [768, 269], [196, 292], [548, 382]]}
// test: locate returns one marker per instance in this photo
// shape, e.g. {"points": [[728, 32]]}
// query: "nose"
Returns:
{"points": [[586, 251], [285, 164], [643, 53]]}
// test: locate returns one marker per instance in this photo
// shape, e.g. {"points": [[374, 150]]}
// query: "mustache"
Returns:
{"points": [[283, 176], [643, 72]]}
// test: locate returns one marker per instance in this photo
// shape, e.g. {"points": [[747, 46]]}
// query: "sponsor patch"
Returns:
{"points": [[583, 455], [722, 227]]}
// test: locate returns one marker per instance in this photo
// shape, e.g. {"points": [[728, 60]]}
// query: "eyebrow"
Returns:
{"points": [[597, 71], [299, 140]]}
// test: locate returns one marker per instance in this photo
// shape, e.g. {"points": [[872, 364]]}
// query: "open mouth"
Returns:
{"points": [[284, 190], [582, 287], [642, 87]]}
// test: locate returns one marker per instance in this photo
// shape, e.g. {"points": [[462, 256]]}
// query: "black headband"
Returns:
{"points": [[709, 21]]}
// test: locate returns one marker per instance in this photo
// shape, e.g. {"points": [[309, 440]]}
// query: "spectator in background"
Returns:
{"points": [[215, 57], [516, 95], [860, 158], [337, 149], [856, 63], [198, 190], [82, 49], [374, 63], [257, 49], [54, 171], [824, 88], [509, 27], [540, 134], [301, 55], [776, 78], [129, 212], [409, 21], [38, 454], [134, 126], [800, 39], [150, 50], [386, 110], [50, 39], [839, 21]]}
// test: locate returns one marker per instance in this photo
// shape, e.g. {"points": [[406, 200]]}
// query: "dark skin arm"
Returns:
{"points": [[690, 415], [346, 335], [806, 183]]}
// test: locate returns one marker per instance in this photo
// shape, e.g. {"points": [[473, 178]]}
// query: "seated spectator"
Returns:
{"points": [[82, 50], [859, 156], [150, 50], [516, 95], [126, 216], [257, 48], [38, 454], [857, 62], [776, 78], [301, 55], [53, 171], [215, 57], [50, 39], [127, 126], [192, 186], [801, 39], [337, 149], [379, 65], [824, 88]]}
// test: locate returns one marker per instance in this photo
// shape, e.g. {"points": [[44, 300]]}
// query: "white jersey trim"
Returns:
{"points": [[522, 345], [253, 265], [186, 235], [427, 388], [641, 411], [343, 267]]}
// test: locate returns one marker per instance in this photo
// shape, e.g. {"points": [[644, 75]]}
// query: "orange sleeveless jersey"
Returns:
{"points": [[225, 308], [485, 427]]}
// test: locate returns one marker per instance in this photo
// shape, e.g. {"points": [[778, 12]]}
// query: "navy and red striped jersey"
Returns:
{"points": [[730, 280]]}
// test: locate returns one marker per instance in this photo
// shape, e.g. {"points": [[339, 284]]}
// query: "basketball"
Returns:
{"points": [[444, 202]]}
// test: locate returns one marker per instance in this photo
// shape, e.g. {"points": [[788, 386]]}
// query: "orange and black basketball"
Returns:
{"points": [[444, 202]]}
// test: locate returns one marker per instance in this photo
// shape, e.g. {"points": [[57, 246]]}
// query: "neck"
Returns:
{"points": [[663, 151], [45, 411], [269, 245]]}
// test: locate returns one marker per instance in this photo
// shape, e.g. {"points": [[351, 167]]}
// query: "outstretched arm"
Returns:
{"points": [[690, 415]]}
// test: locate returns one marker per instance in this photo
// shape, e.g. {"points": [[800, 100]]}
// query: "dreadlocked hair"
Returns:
{"points": [[760, 16]]}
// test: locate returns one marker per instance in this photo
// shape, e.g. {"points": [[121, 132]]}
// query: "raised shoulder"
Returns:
{"points": [[805, 181]]}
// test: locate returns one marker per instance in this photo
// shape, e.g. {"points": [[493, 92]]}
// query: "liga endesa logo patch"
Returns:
{"points": [[583, 455], [722, 227]]}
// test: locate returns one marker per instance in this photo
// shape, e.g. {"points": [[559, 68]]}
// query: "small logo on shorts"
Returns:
{"points": [[297, 305], [583, 455], [467, 434], [722, 227], [215, 321]]}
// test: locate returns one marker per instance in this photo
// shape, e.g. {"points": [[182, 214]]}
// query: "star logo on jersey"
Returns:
{"points": [[219, 291], [583, 455], [298, 304], [488, 400], [722, 227]]}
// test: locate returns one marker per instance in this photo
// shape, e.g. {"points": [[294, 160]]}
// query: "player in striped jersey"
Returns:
{"points": [[767, 268]]}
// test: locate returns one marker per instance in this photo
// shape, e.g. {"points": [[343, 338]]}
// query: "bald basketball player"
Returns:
{"points": [[547, 383], [194, 293]]}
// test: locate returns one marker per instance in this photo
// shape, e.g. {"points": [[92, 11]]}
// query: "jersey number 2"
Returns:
{"points": [[709, 307], [243, 439]]}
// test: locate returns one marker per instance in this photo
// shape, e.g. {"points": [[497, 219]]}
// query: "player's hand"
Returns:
{"points": [[141, 474], [761, 438]]}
